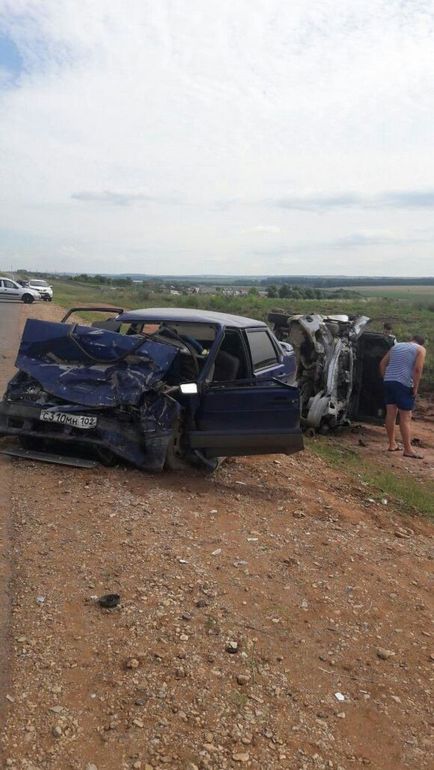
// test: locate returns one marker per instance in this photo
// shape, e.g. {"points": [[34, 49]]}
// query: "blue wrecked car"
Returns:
{"points": [[159, 387]]}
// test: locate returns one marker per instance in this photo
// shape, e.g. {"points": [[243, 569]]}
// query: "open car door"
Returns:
{"points": [[368, 393], [247, 417]]}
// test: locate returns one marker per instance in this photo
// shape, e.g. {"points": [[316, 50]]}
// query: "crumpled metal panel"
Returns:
{"points": [[80, 364]]}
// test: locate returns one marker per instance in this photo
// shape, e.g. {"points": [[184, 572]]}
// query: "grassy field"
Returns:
{"points": [[422, 294], [407, 315], [408, 494]]}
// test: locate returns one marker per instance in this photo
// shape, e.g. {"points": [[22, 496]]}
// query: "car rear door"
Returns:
{"points": [[257, 415]]}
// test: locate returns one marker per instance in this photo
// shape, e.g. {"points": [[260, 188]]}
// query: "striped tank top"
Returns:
{"points": [[401, 363]]}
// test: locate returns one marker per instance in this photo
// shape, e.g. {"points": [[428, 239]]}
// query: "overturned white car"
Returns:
{"points": [[337, 367]]}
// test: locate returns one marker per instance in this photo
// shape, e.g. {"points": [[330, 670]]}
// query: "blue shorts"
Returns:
{"points": [[398, 394]]}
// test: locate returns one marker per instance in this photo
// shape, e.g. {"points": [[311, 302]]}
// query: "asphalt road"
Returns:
{"points": [[9, 320], [10, 313]]}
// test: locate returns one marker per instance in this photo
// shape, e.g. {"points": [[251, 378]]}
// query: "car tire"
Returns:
{"points": [[28, 299]]}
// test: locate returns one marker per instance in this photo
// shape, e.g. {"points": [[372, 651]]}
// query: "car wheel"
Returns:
{"points": [[28, 299]]}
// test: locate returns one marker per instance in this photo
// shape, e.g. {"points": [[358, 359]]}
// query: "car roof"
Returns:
{"points": [[189, 315]]}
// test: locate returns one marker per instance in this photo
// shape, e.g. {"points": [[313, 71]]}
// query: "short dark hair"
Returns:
{"points": [[418, 338], [387, 326]]}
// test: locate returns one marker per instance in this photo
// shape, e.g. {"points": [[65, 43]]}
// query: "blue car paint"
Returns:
{"points": [[81, 364], [119, 377], [236, 405]]}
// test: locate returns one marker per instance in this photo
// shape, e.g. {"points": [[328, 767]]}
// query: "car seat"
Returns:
{"points": [[226, 367]]}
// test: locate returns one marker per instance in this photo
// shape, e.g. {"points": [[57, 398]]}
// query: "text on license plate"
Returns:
{"points": [[64, 418]]}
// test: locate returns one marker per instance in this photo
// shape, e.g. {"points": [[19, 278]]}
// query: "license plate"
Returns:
{"points": [[82, 421]]}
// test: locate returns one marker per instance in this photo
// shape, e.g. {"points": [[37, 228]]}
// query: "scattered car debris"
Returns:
{"points": [[109, 601], [340, 697], [231, 647]]}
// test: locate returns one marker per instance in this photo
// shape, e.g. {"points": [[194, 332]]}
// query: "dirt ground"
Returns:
{"points": [[273, 616]]}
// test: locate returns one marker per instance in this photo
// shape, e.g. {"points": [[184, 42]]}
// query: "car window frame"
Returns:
{"points": [[268, 363], [13, 285]]}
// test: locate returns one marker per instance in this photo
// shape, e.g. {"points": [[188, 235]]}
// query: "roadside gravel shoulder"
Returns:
{"points": [[9, 335]]}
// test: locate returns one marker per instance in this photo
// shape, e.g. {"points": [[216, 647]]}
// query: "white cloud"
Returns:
{"points": [[263, 230], [155, 135]]}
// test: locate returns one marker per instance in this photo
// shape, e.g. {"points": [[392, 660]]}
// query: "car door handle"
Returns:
{"points": [[280, 398]]}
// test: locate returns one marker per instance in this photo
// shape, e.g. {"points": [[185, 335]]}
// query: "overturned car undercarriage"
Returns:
{"points": [[337, 367]]}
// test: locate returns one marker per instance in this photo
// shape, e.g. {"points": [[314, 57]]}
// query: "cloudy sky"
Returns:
{"points": [[238, 136]]}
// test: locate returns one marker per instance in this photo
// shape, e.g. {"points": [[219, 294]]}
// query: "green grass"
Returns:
{"points": [[422, 294], [409, 494], [408, 316]]}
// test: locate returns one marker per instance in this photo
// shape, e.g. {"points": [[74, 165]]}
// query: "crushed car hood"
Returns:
{"points": [[90, 366]]}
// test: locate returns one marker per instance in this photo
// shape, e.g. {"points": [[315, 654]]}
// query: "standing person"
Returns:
{"points": [[401, 369]]}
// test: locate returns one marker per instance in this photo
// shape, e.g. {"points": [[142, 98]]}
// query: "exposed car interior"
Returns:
{"points": [[194, 342], [238, 351]]}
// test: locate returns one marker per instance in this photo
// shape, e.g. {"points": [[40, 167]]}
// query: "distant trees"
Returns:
{"points": [[288, 291], [101, 280], [272, 292]]}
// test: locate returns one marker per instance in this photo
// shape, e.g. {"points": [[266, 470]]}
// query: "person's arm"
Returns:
{"points": [[383, 363], [418, 369]]}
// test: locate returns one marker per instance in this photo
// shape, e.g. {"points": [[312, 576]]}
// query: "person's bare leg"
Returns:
{"points": [[390, 423], [405, 428]]}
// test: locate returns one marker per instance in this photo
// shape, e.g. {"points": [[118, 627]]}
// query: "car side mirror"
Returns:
{"points": [[189, 388]]}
